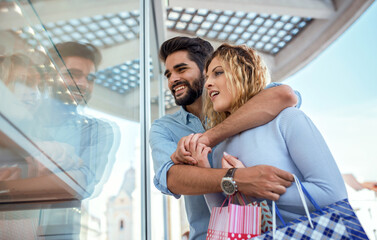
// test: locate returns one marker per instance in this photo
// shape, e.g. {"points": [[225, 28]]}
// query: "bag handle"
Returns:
{"points": [[302, 192]]}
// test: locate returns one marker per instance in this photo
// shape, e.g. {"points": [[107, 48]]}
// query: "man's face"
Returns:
{"points": [[77, 74], [185, 80]]}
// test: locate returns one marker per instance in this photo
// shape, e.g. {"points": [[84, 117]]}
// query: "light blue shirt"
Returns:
{"points": [[164, 136], [292, 143]]}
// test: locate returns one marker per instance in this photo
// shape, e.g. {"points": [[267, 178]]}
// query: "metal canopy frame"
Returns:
{"points": [[289, 34]]}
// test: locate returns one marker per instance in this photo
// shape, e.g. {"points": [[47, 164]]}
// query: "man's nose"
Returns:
{"points": [[174, 77], [80, 83]]}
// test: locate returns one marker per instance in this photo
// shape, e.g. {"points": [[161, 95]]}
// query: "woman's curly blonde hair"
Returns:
{"points": [[246, 75]]}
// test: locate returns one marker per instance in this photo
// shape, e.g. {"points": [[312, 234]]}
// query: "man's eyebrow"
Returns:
{"points": [[175, 67], [180, 65]]}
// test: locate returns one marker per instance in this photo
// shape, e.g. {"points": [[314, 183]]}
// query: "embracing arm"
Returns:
{"points": [[259, 110]]}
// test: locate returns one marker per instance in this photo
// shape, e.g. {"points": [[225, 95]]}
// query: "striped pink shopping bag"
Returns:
{"points": [[234, 222]]}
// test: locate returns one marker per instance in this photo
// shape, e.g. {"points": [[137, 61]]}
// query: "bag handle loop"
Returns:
{"points": [[302, 192]]}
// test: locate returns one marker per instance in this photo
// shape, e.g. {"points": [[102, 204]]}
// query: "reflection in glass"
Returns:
{"points": [[60, 128]]}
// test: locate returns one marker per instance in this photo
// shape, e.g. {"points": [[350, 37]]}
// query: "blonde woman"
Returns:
{"points": [[20, 76], [290, 142]]}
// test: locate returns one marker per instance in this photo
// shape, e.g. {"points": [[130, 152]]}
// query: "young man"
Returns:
{"points": [[92, 139], [184, 60]]}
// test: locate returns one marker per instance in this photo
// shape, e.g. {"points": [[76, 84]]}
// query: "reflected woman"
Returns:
{"points": [[290, 142], [20, 75]]}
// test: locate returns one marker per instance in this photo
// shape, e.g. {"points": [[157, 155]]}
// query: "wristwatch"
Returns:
{"points": [[228, 185]]}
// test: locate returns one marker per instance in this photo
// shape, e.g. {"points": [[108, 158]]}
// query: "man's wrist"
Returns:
{"points": [[206, 139], [228, 184]]}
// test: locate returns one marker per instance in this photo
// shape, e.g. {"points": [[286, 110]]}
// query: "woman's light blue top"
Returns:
{"points": [[292, 143]]}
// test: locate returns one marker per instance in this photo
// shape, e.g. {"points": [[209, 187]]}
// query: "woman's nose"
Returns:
{"points": [[208, 83]]}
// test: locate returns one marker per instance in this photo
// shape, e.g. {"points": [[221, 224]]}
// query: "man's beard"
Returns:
{"points": [[193, 92]]}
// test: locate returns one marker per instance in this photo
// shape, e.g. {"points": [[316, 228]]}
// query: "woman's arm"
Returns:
{"points": [[312, 157]]}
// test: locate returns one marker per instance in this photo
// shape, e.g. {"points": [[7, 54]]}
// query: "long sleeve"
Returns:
{"points": [[317, 168], [162, 146]]}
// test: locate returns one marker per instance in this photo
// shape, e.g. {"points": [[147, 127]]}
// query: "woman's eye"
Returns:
{"points": [[217, 73]]}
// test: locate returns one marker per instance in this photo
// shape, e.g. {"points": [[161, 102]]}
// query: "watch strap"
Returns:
{"points": [[230, 172]]}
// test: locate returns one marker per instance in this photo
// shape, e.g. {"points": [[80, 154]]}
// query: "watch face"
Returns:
{"points": [[228, 187]]}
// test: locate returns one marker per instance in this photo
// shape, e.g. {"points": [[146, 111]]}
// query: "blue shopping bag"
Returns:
{"points": [[335, 221]]}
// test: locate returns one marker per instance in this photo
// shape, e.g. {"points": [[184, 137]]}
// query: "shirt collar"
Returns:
{"points": [[184, 115]]}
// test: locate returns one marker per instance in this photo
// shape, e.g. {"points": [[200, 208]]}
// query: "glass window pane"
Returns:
{"points": [[69, 120]]}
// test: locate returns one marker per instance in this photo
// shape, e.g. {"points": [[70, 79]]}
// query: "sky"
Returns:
{"points": [[339, 93]]}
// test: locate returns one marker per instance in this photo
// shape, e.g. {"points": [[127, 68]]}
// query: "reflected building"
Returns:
{"points": [[120, 210]]}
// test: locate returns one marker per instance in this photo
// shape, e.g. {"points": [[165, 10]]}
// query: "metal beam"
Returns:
{"points": [[316, 37], [59, 10], [301, 8]]}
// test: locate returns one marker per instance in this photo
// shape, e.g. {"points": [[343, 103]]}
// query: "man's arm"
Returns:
{"points": [[260, 181], [259, 110]]}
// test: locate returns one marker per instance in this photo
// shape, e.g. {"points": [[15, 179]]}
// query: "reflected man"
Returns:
{"points": [[93, 141]]}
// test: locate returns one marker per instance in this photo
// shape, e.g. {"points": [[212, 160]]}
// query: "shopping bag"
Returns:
{"points": [[234, 222], [266, 223], [335, 221], [266, 218]]}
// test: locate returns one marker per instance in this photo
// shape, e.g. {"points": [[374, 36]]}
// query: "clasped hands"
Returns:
{"points": [[193, 150], [261, 181]]}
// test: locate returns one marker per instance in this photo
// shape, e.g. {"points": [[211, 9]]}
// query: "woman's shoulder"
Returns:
{"points": [[292, 118], [291, 113]]}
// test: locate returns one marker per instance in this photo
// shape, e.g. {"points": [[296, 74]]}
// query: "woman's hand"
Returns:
{"points": [[181, 154], [191, 151], [201, 155], [228, 161]]}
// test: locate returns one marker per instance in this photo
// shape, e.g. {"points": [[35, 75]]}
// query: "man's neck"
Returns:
{"points": [[195, 108]]}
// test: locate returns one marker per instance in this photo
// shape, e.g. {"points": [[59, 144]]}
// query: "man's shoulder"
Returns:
{"points": [[167, 119], [167, 125]]}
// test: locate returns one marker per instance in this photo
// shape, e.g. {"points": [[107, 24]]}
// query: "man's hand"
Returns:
{"points": [[263, 181], [10, 173]]}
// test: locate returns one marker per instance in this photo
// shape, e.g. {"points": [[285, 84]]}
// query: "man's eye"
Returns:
{"points": [[167, 76], [181, 69]]}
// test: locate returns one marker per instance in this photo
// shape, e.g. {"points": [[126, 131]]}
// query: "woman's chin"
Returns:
{"points": [[219, 110]]}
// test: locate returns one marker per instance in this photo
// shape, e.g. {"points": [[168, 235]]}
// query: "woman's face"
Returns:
{"points": [[217, 87]]}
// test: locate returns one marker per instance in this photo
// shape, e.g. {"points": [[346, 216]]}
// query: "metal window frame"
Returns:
{"points": [[145, 120]]}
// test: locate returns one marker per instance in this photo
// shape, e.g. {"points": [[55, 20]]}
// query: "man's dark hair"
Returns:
{"points": [[197, 48], [77, 49]]}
